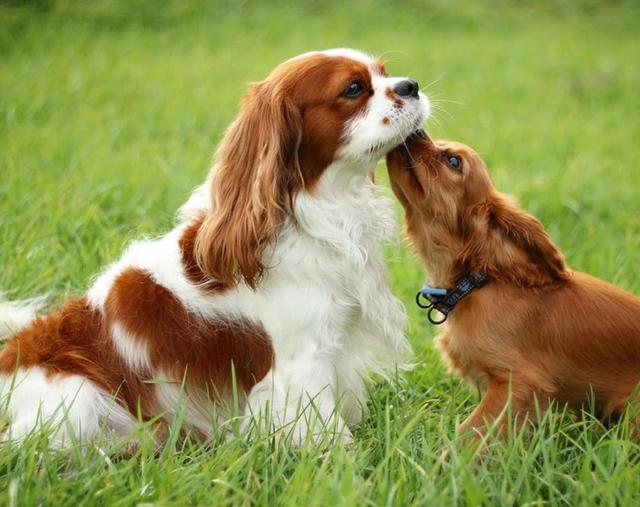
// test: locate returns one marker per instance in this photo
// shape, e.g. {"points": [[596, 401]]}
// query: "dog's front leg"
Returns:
{"points": [[494, 412], [297, 400]]}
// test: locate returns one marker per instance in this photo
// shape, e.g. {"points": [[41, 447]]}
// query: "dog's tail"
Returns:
{"points": [[15, 315]]}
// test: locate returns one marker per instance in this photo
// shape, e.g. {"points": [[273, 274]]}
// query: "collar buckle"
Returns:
{"points": [[443, 300]]}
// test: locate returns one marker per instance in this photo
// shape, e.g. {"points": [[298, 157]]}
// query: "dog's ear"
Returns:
{"points": [[527, 231], [507, 242], [254, 170]]}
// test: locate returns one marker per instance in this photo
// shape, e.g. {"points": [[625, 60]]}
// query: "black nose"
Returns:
{"points": [[407, 88]]}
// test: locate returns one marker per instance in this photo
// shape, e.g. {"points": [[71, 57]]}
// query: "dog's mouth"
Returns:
{"points": [[402, 159], [417, 142], [414, 138]]}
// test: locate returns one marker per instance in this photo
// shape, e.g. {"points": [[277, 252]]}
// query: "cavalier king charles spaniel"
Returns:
{"points": [[272, 284], [520, 325]]}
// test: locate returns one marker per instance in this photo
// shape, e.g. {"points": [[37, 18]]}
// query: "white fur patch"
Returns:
{"points": [[174, 400], [71, 406], [14, 315], [133, 351]]}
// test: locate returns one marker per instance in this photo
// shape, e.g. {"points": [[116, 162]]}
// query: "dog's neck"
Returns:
{"points": [[438, 249]]}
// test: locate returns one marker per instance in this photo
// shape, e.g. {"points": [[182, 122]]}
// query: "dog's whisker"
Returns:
{"points": [[432, 83]]}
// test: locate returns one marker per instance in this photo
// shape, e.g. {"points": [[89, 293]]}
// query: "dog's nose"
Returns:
{"points": [[407, 88]]}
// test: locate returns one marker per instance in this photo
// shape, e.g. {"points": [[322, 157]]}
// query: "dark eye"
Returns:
{"points": [[454, 162], [354, 89]]}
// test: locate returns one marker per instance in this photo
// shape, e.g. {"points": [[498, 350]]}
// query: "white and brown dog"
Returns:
{"points": [[273, 279]]}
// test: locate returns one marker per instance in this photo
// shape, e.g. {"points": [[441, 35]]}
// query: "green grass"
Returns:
{"points": [[109, 115]]}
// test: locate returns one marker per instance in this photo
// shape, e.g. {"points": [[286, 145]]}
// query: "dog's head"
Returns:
{"points": [[438, 180], [335, 108], [450, 199]]}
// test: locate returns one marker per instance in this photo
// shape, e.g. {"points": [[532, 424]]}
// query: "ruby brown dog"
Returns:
{"points": [[273, 279], [519, 323]]}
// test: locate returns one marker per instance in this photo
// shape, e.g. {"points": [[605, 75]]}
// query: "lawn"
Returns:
{"points": [[109, 115]]}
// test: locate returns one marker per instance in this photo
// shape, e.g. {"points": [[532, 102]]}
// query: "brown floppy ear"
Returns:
{"points": [[527, 231], [256, 166], [508, 242]]}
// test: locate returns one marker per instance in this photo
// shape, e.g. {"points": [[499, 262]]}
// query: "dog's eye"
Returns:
{"points": [[454, 162], [354, 90]]}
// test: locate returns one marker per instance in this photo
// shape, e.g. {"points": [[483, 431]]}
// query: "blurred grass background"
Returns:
{"points": [[109, 115]]}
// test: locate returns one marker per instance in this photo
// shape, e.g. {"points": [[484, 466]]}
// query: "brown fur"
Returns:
{"points": [[537, 330], [286, 134], [72, 341], [189, 262], [181, 345]]}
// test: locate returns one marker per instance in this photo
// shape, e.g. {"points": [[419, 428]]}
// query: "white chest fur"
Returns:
{"points": [[326, 302]]}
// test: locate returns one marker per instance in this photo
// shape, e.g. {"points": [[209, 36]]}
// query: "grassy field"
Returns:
{"points": [[109, 115]]}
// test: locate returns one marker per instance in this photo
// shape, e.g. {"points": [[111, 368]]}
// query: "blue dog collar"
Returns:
{"points": [[444, 300]]}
